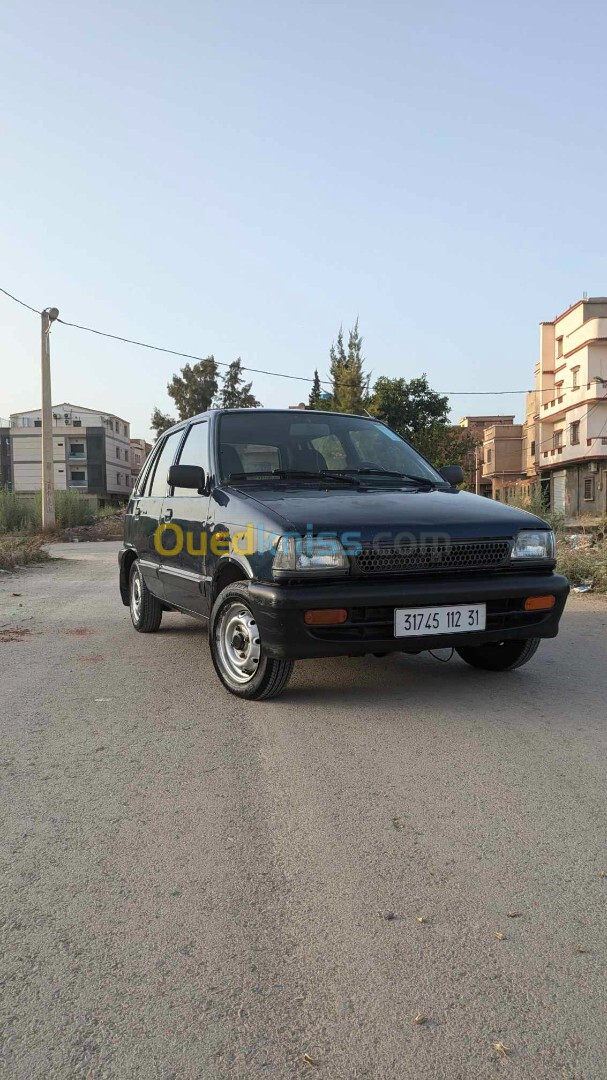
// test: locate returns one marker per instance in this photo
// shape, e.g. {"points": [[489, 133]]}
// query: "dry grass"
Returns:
{"points": [[21, 551], [584, 563]]}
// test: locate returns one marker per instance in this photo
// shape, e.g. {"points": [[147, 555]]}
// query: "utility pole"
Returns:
{"points": [[48, 478]]}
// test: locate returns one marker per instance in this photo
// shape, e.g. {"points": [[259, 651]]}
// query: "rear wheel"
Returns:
{"points": [[499, 655], [146, 610], [237, 649]]}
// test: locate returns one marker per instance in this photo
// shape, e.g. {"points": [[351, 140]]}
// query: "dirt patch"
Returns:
{"points": [[90, 659], [14, 633], [79, 631]]}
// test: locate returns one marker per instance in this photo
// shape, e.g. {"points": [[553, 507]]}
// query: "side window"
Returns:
{"points": [[195, 451], [158, 486]]}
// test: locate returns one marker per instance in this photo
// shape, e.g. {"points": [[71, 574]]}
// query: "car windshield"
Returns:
{"points": [[264, 444]]}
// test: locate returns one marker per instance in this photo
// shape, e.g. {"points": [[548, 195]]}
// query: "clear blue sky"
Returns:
{"points": [[240, 178]]}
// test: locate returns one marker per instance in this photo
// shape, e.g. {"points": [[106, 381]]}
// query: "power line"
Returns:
{"points": [[257, 371], [18, 301]]}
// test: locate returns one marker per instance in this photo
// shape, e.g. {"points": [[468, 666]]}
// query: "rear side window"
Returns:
{"points": [[158, 485]]}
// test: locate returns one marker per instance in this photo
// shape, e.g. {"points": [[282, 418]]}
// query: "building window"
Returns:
{"points": [[589, 488], [37, 423], [126, 455], [126, 430], [77, 449], [559, 347], [574, 433], [575, 372], [603, 441], [117, 451], [76, 423], [77, 476], [119, 478], [489, 456], [110, 424], [557, 439], [533, 448], [138, 457]]}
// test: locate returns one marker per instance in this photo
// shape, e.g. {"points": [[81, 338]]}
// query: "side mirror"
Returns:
{"points": [[187, 476], [453, 474]]}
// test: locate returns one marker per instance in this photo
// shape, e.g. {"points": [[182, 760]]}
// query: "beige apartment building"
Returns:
{"points": [[561, 448], [91, 452], [570, 409]]}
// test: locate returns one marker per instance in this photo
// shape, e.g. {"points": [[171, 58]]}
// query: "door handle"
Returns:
{"points": [[168, 514]]}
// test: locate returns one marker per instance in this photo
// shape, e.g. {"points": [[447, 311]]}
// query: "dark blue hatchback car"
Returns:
{"points": [[300, 534]]}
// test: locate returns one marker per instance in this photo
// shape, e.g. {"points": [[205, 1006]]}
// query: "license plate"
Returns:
{"points": [[423, 621]]}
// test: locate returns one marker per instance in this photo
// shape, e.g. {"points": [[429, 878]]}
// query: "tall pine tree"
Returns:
{"points": [[235, 392], [349, 382], [315, 399]]}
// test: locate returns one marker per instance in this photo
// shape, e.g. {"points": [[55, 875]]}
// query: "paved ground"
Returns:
{"points": [[197, 887]]}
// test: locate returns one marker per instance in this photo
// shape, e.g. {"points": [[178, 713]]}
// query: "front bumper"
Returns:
{"points": [[279, 610]]}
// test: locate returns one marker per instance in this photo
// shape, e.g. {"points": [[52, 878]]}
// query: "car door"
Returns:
{"points": [[183, 573], [147, 510]]}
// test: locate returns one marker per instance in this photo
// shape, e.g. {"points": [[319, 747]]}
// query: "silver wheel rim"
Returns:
{"points": [[136, 596], [238, 644]]}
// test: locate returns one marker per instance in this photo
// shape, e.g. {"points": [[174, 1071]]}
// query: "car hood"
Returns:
{"points": [[458, 514]]}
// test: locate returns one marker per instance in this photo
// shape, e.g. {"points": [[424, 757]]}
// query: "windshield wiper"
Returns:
{"points": [[294, 474], [367, 471]]}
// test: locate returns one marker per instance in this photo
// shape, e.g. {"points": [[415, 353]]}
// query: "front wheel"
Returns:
{"points": [[499, 655], [237, 650]]}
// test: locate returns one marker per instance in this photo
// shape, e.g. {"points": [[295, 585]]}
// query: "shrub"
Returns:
{"points": [[22, 515], [583, 565], [21, 550], [17, 514], [72, 509]]}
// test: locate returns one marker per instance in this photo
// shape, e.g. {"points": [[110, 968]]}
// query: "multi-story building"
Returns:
{"points": [[502, 456], [478, 479], [139, 452], [571, 408], [91, 451]]}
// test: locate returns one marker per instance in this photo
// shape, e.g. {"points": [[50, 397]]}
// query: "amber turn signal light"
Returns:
{"points": [[325, 616], [539, 603]]}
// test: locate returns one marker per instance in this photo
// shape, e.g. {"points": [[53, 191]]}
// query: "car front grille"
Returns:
{"points": [[433, 557]]}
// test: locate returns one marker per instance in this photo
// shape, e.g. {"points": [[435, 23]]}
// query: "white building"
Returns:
{"points": [[91, 451]]}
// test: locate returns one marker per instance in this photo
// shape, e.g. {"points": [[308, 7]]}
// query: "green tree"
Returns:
{"points": [[194, 390], [315, 399], [161, 421], [349, 382], [235, 392], [419, 414]]}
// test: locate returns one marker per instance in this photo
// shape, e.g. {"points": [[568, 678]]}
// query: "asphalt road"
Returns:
{"points": [[199, 887]]}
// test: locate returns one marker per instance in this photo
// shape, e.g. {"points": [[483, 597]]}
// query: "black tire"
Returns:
{"points": [[499, 655], [244, 670], [146, 610]]}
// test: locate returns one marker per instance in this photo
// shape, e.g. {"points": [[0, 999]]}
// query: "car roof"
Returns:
{"points": [[288, 412]]}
